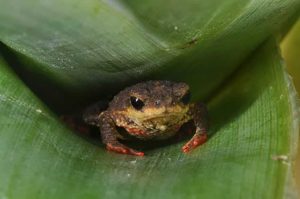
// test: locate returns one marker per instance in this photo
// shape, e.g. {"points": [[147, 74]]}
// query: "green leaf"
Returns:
{"points": [[82, 48], [290, 51], [71, 51], [290, 47], [253, 137]]}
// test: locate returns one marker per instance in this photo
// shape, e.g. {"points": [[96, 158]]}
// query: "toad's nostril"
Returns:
{"points": [[157, 102]]}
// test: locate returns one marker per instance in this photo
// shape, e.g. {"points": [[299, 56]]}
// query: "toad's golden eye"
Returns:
{"points": [[136, 103], [186, 98]]}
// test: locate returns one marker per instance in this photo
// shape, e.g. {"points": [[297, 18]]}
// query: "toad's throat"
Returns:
{"points": [[161, 132], [158, 128]]}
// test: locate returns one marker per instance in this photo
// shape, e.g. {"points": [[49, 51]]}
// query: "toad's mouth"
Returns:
{"points": [[162, 123], [161, 113]]}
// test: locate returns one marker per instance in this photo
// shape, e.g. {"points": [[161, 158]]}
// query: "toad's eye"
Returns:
{"points": [[136, 103], [186, 98]]}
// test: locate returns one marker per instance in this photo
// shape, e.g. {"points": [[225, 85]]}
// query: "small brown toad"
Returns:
{"points": [[149, 110]]}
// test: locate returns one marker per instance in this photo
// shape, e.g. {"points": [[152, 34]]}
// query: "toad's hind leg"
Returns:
{"points": [[200, 117], [91, 114], [109, 136]]}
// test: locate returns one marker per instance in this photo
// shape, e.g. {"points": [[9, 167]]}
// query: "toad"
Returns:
{"points": [[150, 110]]}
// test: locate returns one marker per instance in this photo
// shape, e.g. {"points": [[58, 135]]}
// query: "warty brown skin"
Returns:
{"points": [[162, 107]]}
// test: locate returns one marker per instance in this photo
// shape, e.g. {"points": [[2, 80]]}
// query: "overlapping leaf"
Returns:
{"points": [[92, 48], [82, 48]]}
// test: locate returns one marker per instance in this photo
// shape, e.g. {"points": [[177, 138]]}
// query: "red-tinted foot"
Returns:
{"points": [[197, 140], [120, 148]]}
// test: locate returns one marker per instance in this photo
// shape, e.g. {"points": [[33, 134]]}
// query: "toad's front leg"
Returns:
{"points": [[200, 117], [109, 136]]}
